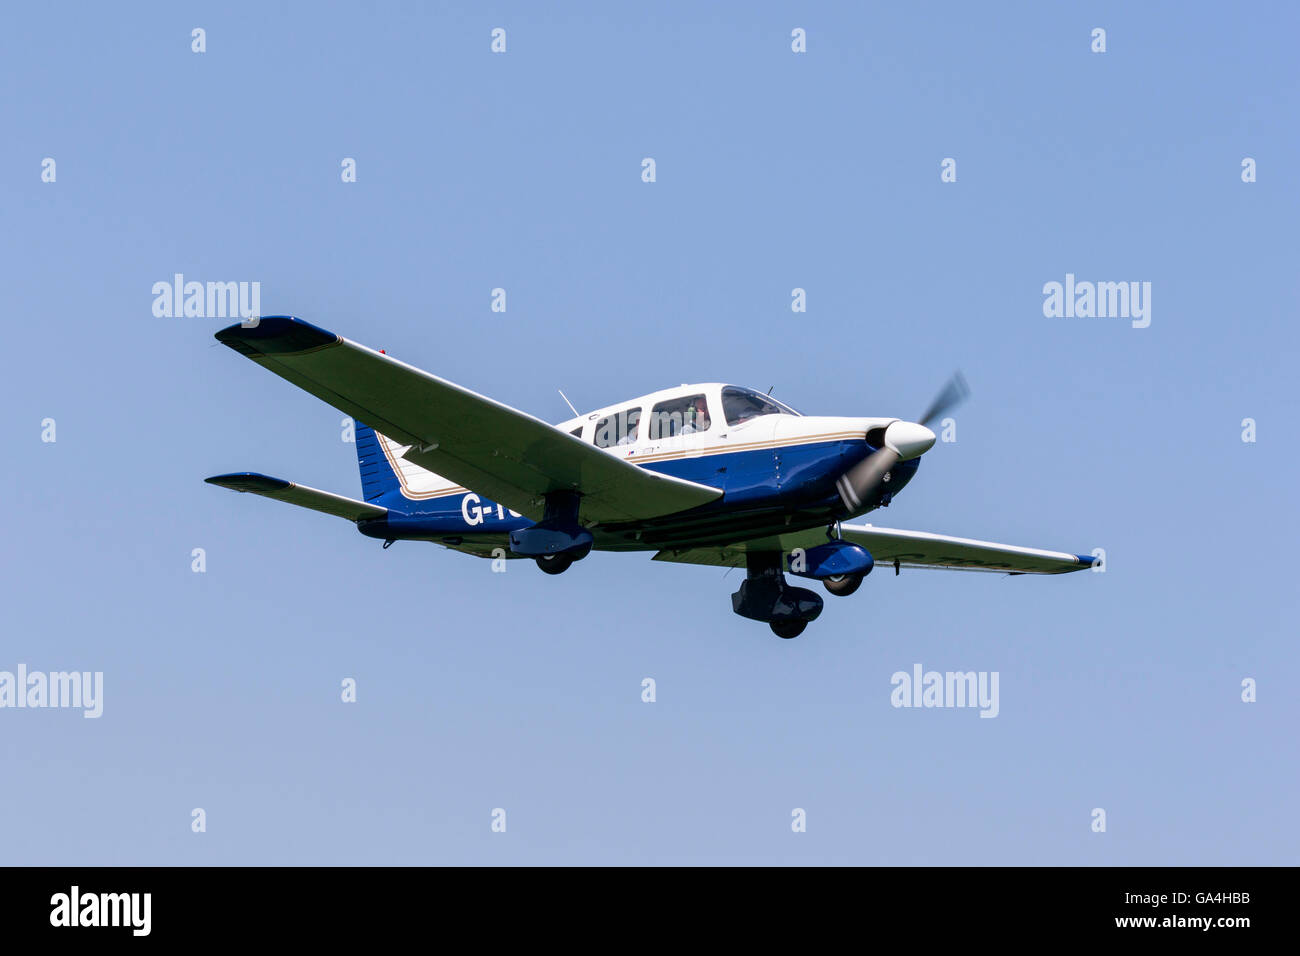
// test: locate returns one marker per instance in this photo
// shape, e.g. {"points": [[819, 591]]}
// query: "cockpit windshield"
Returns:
{"points": [[742, 404]]}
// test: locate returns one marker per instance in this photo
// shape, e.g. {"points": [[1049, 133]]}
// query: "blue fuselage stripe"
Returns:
{"points": [[760, 488]]}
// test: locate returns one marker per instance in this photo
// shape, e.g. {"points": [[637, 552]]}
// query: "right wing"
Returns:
{"points": [[507, 455], [921, 549], [911, 549]]}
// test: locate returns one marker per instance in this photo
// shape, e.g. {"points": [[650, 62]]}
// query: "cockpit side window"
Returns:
{"points": [[620, 429], [741, 404], [679, 416]]}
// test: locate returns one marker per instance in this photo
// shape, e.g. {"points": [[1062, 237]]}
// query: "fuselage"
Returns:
{"points": [[776, 469]]}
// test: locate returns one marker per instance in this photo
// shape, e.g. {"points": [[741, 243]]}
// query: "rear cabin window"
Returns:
{"points": [[679, 416], [742, 404], [620, 429]]}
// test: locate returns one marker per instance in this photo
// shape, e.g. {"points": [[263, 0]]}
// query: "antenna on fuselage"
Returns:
{"points": [[567, 402], [769, 391]]}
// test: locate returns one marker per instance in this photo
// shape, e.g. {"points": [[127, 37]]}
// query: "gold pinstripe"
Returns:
{"points": [[747, 446]]}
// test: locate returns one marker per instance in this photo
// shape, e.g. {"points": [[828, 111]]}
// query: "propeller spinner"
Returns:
{"points": [[901, 441]]}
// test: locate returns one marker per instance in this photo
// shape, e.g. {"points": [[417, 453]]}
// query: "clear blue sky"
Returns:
{"points": [[775, 170]]}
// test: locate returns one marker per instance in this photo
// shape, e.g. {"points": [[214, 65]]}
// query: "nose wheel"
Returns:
{"points": [[787, 629], [555, 563]]}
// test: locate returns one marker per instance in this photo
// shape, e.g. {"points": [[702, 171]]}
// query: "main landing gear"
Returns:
{"points": [[765, 596], [558, 539], [842, 585]]}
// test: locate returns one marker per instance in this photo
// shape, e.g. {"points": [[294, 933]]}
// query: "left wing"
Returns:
{"points": [[507, 455], [911, 549]]}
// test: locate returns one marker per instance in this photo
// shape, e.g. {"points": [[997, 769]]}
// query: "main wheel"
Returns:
{"points": [[554, 563], [787, 629], [842, 585]]}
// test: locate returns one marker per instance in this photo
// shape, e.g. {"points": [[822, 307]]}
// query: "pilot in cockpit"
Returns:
{"points": [[697, 417], [629, 429]]}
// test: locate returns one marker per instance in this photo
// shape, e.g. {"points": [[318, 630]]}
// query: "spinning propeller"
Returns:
{"points": [[899, 441]]}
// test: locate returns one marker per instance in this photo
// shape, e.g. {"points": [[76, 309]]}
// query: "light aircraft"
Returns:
{"points": [[707, 474]]}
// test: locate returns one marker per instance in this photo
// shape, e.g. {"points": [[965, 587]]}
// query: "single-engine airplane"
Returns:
{"points": [[706, 474]]}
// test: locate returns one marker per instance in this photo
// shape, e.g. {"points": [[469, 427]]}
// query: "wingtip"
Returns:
{"points": [[248, 481], [275, 335]]}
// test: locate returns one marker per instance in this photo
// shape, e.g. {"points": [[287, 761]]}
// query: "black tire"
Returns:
{"points": [[842, 585], [555, 563], [787, 629]]}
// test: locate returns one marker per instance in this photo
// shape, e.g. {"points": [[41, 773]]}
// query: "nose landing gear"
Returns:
{"points": [[765, 596], [555, 563], [787, 629]]}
